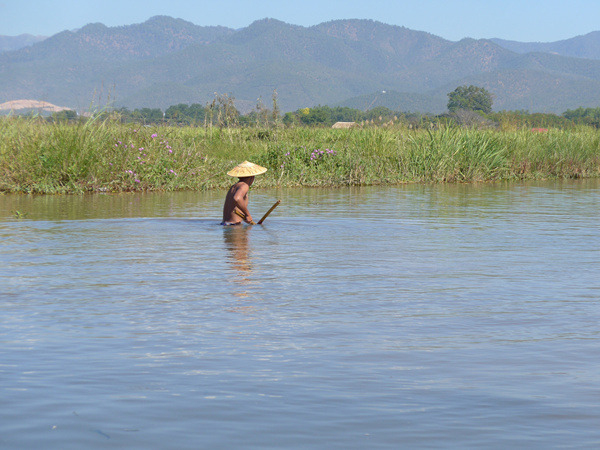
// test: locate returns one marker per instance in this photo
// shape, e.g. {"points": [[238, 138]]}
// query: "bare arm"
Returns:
{"points": [[241, 200]]}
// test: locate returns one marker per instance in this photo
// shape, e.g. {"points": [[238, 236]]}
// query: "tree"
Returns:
{"points": [[319, 115], [148, 115], [66, 115], [184, 114], [472, 98], [177, 113], [290, 119]]}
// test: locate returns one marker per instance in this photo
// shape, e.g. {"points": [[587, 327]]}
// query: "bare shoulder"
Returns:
{"points": [[240, 188]]}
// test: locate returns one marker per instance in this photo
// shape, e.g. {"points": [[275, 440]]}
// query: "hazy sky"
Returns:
{"points": [[522, 20]]}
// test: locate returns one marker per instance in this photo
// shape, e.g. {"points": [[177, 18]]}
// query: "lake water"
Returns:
{"points": [[463, 316]]}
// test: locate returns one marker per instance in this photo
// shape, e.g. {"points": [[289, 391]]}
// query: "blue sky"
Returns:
{"points": [[522, 20]]}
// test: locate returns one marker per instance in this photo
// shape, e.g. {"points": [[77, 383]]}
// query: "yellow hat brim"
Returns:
{"points": [[246, 169]]}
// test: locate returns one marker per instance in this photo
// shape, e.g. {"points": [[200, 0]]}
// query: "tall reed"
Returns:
{"points": [[41, 157]]}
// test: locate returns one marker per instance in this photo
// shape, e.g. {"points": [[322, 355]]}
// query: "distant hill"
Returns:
{"points": [[398, 101], [165, 61], [96, 43], [11, 43], [586, 46]]}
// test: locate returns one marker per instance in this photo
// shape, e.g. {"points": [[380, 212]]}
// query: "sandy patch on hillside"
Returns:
{"points": [[16, 105]]}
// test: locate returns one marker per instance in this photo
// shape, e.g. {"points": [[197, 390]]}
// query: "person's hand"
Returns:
{"points": [[249, 218]]}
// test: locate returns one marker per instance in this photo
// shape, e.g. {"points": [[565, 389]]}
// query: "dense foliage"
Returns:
{"points": [[106, 155], [222, 113], [588, 116], [471, 98]]}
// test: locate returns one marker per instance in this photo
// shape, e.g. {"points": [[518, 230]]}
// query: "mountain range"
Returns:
{"points": [[10, 43], [357, 63]]}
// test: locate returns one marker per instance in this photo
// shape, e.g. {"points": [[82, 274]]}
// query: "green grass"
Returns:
{"points": [[41, 157]]}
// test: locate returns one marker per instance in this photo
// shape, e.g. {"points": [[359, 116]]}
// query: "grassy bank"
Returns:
{"points": [[39, 157]]}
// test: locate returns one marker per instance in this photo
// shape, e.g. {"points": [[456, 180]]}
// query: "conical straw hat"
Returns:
{"points": [[246, 169]]}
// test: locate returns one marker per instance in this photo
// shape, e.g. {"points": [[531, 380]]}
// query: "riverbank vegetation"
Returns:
{"points": [[104, 154]]}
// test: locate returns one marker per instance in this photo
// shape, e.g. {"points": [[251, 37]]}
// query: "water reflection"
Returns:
{"points": [[111, 206], [236, 240]]}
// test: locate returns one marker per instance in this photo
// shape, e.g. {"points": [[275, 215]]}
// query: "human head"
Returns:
{"points": [[247, 180]]}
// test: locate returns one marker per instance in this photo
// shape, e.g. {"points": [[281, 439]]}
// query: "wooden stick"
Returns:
{"points": [[269, 211], [243, 216]]}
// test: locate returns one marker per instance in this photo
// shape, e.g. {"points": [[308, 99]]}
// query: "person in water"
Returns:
{"points": [[236, 200]]}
